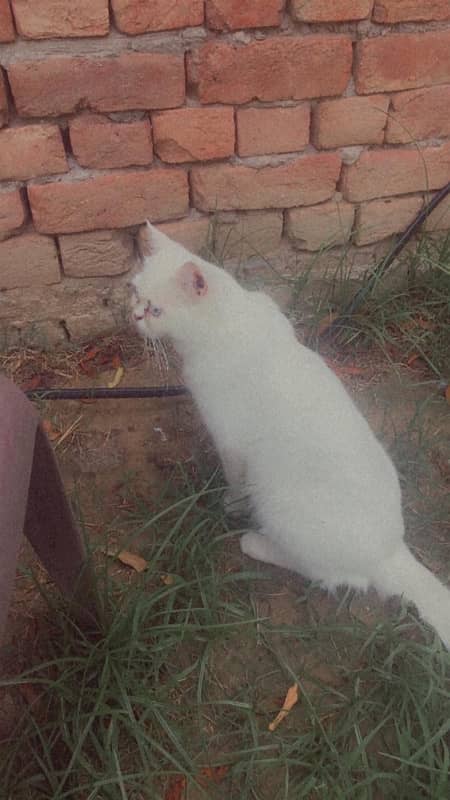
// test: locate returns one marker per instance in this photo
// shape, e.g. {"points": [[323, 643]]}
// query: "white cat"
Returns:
{"points": [[324, 493]]}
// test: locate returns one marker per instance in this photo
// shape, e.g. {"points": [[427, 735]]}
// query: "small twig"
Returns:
{"points": [[68, 431]]}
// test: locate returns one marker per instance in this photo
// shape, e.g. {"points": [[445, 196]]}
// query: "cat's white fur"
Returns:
{"points": [[324, 493]]}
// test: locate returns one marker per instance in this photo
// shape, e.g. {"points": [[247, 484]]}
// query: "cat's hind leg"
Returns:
{"points": [[261, 548]]}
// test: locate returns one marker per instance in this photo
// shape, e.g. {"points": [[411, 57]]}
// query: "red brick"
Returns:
{"points": [[30, 151], [194, 134], [192, 233], [109, 201], [382, 173], [402, 61], [28, 260], [382, 218], [12, 211], [130, 81], [99, 143], [135, 16], [411, 10], [4, 114], [272, 130], [226, 187], [419, 114], [97, 253], [275, 69], [330, 10], [243, 234], [7, 33], [234, 14], [350, 121], [48, 19], [325, 225]]}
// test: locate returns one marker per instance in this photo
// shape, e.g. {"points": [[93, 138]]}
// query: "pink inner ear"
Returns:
{"points": [[199, 283], [192, 280]]}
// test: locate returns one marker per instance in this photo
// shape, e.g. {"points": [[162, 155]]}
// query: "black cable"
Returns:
{"points": [[387, 262], [103, 393]]}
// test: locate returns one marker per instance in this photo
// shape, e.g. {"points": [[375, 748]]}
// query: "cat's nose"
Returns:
{"points": [[138, 317]]}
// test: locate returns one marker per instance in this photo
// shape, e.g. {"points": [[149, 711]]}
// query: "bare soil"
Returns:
{"points": [[103, 446]]}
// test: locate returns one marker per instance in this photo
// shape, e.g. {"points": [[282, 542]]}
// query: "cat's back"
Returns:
{"points": [[254, 348]]}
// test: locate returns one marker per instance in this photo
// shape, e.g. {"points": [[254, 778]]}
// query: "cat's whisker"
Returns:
{"points": [[158, 357], [165, 359], [163, 362], [153, 355], [149, 349]]}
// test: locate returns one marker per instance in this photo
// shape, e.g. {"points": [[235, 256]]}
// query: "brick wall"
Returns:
{"points": [[291, 123]]}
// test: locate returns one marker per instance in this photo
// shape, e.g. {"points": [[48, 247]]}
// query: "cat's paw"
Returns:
{"points": [[253, 545], [235, 503], [261, 548]]}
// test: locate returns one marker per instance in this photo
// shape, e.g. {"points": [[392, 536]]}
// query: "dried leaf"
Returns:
{"points": [[167, 580], [417, 322], [41, 380], [84, 362], [326, 323], [213, 775], [290, 700], [426, 324], [115, 361], [138, 563], [412, 359], [447, 393], [109, 355], [176, 789], [30, 693], [51, 432], [88, 369], [90, 354], [117, 378], [345, 369]]}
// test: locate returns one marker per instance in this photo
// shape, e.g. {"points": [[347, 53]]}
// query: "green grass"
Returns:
{"points": [[187, 674], [410, 316], [193, 658], [406, 315]]}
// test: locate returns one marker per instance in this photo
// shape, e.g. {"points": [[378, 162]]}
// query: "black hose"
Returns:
{"points": [[387, 262], [103, 393]]}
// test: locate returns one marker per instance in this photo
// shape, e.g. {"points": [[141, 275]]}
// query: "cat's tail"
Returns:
{"points": [[403, 575]]}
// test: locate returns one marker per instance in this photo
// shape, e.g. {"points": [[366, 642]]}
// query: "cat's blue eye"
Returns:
{"points": [[156, 311]]}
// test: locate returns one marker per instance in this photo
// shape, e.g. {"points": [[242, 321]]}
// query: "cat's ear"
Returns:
{"points": [[150, 240], [192, 280], [144, 241]]}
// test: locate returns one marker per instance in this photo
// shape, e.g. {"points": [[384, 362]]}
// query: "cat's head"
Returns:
{"points": [[168, 288]]}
